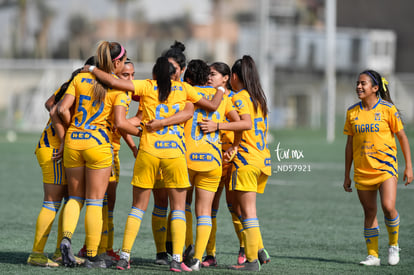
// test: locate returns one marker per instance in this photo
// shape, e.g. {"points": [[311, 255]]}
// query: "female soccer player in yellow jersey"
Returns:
{"points": [[87, 153], [220, 76], [160, 228], [163, 149], [106, 244], [204, 159], [54, 183], [127, 73], [370, 126], [252, 161]]}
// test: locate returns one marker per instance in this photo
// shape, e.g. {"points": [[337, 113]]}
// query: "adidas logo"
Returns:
{"points": [[162, 229]]}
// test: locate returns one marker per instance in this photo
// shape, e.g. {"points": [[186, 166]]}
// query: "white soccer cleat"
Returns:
{"points": [[393, 255], [371, 260]]}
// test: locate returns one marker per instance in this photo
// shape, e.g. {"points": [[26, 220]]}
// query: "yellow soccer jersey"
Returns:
{"points": [[227, 137], [253, 148], [89, 126], [49, 136], [124, 100], [374, 147], [204, 150], [168, 142]]}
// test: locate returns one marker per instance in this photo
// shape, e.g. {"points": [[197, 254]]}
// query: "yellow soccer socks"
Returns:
{"points": [[93, 225], [110, 229], [159, 227], [132, 226], [71, 214], [202, 235], [44, 224], [371, 240], [251, 233], [393, 227], [189, 223], [211, 245], [178, 235]]}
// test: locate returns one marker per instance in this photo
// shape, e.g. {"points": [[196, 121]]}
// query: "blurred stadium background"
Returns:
{"points": [[43, 41]]}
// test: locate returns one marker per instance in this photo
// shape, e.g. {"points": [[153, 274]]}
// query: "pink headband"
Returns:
{"points": [[121, 54]]}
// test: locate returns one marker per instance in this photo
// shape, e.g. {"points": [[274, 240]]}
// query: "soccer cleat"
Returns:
{"points": [[161, 258], [209, 261], [57, 257], [189, 252], [123, 264], [241, 258], [179, 267], [96, 262], [68, 259], [371, 260], [114, 255], [393, 255], [263, 256], [194, 264], [247, 266], [40, 259], [82, 252]]}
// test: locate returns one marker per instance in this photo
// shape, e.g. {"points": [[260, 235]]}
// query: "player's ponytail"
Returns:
{"points": [[162, 72], [246, 71], [106, 54], [383, 90]]}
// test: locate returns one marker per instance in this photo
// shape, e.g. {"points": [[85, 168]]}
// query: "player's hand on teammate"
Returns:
{"points": [[154, 125], [208, 126], [59, 154], [230, 153]]}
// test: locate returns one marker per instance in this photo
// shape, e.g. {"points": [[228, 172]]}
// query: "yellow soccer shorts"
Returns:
{"points": [[159, 182], [248, 178], [115, 168], [52, 170], [371, 183], [372, 187], [174, 171], [208, 180], [367, 187], [97, 157]]}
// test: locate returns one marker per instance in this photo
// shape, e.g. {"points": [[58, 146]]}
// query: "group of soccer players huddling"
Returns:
{"points": [[202, 128]]}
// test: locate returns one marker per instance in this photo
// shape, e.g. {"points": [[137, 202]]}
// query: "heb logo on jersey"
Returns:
{"points": [[201, 157], [167, 144], [367, 128], [80, 135]]}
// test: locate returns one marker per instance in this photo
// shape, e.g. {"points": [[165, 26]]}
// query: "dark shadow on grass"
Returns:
{"points": [[315, 259], [13, 257], [148, 264]]}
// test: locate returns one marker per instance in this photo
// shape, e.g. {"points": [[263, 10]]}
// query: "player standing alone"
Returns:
{"points": [[370, 126]]}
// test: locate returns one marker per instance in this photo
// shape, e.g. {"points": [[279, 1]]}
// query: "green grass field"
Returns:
{"points": [[309, 224]]}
